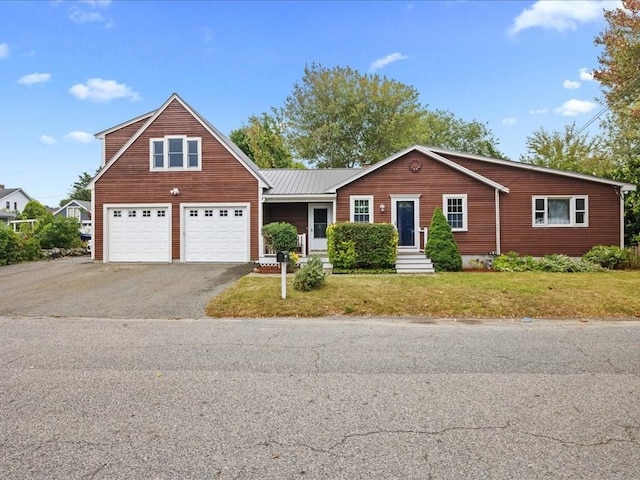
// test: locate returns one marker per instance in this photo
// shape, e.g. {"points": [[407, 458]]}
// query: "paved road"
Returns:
{"points": [[326, 398], [77, 287]]}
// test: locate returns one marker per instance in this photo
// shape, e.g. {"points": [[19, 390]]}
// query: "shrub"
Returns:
{"points": [[611, 257], [512, 262], [441, 246], [563, 263], [280, 236], [10, 246], [58, 232], [311, 275], [344, 255], [375, 244]]}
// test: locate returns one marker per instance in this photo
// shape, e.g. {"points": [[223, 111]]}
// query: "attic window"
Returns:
{"points": [[176, 153]]}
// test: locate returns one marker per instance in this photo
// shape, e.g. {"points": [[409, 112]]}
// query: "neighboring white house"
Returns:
{"points": [[79, 209], [12, 202]]}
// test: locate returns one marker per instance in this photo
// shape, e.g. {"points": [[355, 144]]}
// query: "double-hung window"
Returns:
{"points": [[455, 211], [560, 211], [361, 210], [176, 153]]}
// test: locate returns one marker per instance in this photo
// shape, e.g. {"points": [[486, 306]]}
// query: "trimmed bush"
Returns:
{"points": [[611, 257], [374, 244], [311, 275], [343, 256], [280, 236], [441, 246]]}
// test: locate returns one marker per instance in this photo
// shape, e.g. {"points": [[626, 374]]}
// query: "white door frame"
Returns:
{"points": [[318, 243], [416, 218]]}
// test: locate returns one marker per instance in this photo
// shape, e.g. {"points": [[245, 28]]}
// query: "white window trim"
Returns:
{"points": [[74, 212], [463, 196], [572, 211], [165, 153], [352, 206]]}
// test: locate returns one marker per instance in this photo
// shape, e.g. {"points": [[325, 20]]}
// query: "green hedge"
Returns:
{"points": [[374, 245], [280, 236]]}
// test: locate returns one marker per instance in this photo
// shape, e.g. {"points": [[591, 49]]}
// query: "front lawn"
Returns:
{"points": [[614, 294]]}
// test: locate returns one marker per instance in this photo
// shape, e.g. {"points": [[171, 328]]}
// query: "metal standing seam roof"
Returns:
{"points": [[305, 182]]}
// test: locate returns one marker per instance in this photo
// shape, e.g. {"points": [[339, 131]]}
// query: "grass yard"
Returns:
{"points": [[607, 295]]}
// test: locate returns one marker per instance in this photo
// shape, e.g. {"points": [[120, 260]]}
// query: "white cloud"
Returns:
{"points": [[383, 62], [77, 136], [33, 78], [100, 90], [539, 111], [586, 75], [509, 121], [573, 107], [89, 11], [570, 84], [4, 50], [48, 140], [561, 14]]}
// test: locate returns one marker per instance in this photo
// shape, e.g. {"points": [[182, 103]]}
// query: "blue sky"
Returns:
{"points": [[69, 69]]}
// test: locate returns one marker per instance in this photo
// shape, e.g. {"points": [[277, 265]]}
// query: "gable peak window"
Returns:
{"points": [[560, 211], [176, 152]]}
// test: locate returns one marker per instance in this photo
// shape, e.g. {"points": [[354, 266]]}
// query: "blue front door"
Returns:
{"points": [[406, 223]]}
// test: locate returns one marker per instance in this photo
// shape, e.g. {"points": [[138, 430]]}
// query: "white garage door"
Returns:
{"points": [[216, 234], [139, 234]]}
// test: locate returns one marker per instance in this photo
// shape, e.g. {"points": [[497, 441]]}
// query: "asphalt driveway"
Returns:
{"points": [[78, 287]]}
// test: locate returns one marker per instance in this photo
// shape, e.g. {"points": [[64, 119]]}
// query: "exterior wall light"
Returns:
{"points": [[382, 207], [174, 191]]}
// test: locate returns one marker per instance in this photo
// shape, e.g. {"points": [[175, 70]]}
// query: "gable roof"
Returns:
{"points": [[104, 133], [626, 187], [152, 116], [81, 203], [305, 182], [439, 155], [5, 192], [430, 154]]}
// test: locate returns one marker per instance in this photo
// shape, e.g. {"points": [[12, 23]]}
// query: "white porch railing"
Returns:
{"points": [[301, 248]]}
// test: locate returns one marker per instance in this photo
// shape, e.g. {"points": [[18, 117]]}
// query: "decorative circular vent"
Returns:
{"points": [[415, 165]]}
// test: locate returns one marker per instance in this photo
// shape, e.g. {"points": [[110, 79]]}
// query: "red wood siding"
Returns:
{"points": [[222, 178], [431, 183], [114, 141], [520, 236]]}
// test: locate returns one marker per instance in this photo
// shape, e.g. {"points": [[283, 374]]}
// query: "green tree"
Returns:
{"points": [[568, 151], [441, 128], [34, 210], [79, 189], [263, 141], [619, 79], [341, 118], [441, 246]]}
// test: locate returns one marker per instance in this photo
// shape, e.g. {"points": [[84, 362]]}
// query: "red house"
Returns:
{"points": [[175, 189]]}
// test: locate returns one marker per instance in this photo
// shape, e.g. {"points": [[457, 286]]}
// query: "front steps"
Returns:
{"points": [[413, 262]]}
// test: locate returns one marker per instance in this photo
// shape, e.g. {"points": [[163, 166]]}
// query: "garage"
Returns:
{"points": [[139, 234], [216, 233]]}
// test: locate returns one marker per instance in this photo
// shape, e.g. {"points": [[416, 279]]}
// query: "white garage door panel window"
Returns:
{"points": [[139, 234], [216, 234]]}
